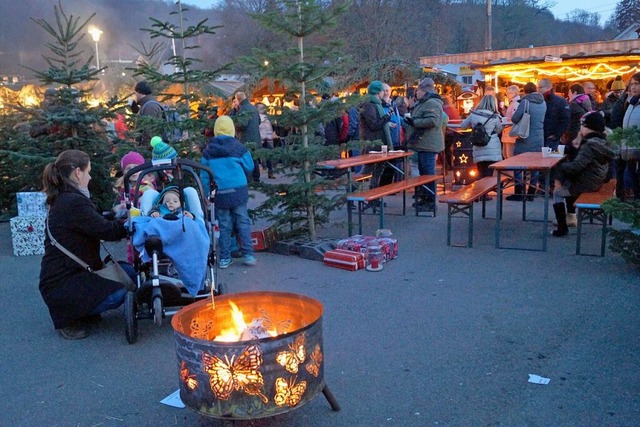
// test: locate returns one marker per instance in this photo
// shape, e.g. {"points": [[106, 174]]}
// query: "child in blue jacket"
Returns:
{"points": [[231, 163]]}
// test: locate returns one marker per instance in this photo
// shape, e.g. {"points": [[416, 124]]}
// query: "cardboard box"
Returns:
{"points": [[32, 204], [27, 235], [263, 237], [347, 260]]}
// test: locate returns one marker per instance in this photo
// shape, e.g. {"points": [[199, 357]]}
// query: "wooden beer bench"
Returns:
{"points": [[589, 206], [461, 202], [380, 193]]}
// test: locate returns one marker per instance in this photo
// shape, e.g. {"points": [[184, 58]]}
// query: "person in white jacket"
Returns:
{"points": [[486, 113]]}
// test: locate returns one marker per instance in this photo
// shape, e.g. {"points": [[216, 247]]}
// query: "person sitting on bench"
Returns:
{"points": [[585, 173]]}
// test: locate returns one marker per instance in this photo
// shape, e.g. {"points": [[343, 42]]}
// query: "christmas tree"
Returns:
{"points": [[63, 120], [304, 69]]}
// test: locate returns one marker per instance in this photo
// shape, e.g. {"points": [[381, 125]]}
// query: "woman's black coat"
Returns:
{"points": [[69, 291]]}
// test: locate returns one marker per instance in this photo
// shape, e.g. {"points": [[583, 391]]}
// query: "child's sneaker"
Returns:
{"points": [[249, 260], [224, 263]]}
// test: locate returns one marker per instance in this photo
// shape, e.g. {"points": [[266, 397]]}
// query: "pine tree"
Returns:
{"points": [[63, 121], [303, 68], [627, 12], [182, 38]]}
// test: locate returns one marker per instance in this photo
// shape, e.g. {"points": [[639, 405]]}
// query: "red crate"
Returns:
{"points": [[347, 260], [263, 237]]}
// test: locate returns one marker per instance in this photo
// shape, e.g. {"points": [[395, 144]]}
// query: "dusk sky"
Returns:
{"points": [[603, 7]]}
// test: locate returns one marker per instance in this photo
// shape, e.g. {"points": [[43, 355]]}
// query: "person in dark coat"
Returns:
{"points": [[73, 295], [247, 122], [556, 119], [146, 105], [586, 172], [579, 104]]}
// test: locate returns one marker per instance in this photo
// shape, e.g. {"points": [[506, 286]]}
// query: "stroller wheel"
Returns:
{"points": [[157, 311], [130, 317]]}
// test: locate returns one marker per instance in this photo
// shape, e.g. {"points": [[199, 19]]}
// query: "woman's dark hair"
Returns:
{"points": [[576, 88], [57, 173], [635, 77], [530, 88]]}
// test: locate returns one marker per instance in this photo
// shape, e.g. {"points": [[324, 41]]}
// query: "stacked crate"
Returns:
{"points": [[28, 228]]}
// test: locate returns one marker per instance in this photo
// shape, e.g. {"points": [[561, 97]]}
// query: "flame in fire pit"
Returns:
{"points": [[240, 331]]}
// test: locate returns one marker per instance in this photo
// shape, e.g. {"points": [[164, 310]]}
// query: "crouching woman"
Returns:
{"points": [[73, 295], [585, 173]]}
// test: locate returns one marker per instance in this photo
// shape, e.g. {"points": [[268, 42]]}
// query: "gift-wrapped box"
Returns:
{"points": [[263, 237], [359, 243], [347, 260], [27, 235], [32, 204]]}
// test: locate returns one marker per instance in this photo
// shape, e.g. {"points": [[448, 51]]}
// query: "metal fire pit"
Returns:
{"points": [[255, 378]]}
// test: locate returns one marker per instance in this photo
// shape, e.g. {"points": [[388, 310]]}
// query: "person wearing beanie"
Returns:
{"points": [[617, 90], [585, 173], [162, 150], [374, 126], [426, 137], [231, 163], [131, 158], [145, 105]]}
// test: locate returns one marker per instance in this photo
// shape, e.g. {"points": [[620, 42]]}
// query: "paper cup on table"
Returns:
{"points": [[384, 149], [561, 149], [546, 151]]}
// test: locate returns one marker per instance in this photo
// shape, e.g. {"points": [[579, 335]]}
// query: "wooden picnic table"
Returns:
{"points": [[361, 160], [527, 163]]}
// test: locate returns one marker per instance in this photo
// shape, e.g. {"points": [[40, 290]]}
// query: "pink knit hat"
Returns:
{"points": [[131, 158]]}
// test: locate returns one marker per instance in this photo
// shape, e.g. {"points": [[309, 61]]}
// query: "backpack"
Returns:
{"points": [[479, 136], [171, 133]]}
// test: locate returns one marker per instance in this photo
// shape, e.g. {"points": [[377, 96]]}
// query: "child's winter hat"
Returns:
{"points": [[224, 126], [162, 150], [131, 158]]}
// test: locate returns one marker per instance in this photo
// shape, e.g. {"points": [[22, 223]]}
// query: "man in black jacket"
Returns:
{"points": [[556, 119]]}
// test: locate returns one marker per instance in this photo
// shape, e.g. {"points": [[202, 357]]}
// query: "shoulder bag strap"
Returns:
{"points": [[64, 250]]}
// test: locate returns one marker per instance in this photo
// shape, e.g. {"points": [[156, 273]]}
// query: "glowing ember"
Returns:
{"points": [[241, 331]]}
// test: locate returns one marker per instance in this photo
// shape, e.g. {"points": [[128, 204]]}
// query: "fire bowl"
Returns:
{"points": [[253, 378]]}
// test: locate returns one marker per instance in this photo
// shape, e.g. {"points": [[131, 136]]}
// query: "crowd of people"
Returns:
{"points": [[413, 121]]}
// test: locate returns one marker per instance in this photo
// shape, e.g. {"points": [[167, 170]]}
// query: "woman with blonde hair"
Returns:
{"points": [[486, 114]]}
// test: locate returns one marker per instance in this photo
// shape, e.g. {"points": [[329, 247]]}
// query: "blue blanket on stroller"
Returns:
{"points": [[188, 248]]}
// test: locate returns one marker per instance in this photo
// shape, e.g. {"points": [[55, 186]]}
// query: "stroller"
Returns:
{"points": [[177, 270]]}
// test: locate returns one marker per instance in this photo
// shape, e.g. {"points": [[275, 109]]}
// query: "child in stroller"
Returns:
{"points": [[174, 248]]}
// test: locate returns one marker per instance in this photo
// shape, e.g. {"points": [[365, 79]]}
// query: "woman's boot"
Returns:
{"points": [[531, 191], [518, 193], [561, 218]]}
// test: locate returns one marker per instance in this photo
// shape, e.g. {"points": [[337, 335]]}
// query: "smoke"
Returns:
{"points": [[23, 42]]}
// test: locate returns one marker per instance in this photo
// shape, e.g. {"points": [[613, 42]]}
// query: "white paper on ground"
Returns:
{"points": [[537, 379], [173, 400], [375, 152], [396, 151]]}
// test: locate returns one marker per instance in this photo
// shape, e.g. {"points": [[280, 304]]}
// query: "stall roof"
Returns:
{"points": [[532, 54]]}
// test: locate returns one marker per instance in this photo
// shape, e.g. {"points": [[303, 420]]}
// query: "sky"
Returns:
{"points": [[604, 7]]}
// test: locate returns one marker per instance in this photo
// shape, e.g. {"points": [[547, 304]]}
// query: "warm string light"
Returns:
{"points": [[600, 71]]}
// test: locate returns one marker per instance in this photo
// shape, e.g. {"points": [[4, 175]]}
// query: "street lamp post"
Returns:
{"points": [[95, 34]]}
